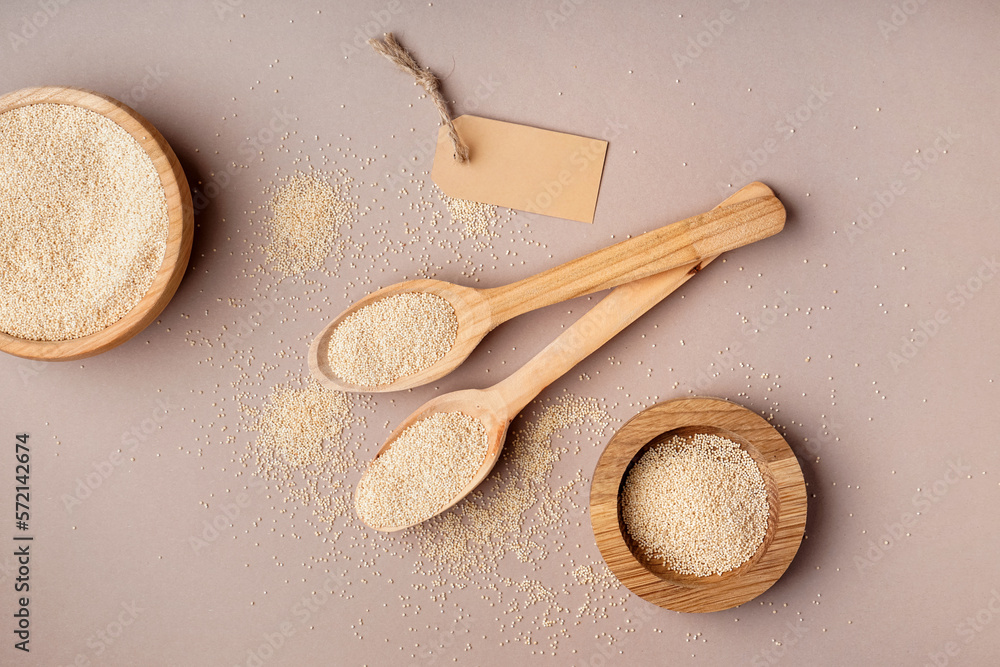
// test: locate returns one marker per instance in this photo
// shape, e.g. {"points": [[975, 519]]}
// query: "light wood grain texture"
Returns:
{"points": [[180, 233], [479, 311], [497, 406], [786, 497]]}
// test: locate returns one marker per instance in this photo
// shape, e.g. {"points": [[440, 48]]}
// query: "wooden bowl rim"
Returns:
{"points": [[180, 230], [720, 592]]}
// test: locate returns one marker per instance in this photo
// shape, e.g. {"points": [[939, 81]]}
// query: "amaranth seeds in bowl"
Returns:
{"points": [[698, 504], [83, 222]]}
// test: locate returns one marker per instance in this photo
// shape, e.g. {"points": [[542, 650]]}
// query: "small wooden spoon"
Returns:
{"points": [[750, 217], [496, 406]]}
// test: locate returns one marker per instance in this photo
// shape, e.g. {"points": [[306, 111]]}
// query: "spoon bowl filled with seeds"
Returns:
{"points": [[96, 223], [412, 333], [401, 336], [698, 505], [433, 459]]}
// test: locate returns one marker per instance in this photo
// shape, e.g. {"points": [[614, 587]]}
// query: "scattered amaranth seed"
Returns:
{"points": [[698, 504], [297, 422], [392, 338], [300, 445], [475, 217], [307, 214], [83, 222], [496, 520], [424, 469]]}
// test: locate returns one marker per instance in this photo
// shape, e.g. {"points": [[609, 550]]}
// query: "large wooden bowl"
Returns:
{"points": [[180, 212], [786, 499]]}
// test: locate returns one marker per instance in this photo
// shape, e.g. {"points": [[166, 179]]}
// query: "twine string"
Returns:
{"points": [[391, 49]]}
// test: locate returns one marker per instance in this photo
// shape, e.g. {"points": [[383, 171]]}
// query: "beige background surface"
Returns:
{"points": [[686, 100]]}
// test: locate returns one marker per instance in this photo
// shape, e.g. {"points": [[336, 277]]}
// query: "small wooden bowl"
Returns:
{"points": [[180, 233], [786, 499]]}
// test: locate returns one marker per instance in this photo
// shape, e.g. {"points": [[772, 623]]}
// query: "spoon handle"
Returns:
{"points": [[679, 244], [615, 312], [602, 323]]}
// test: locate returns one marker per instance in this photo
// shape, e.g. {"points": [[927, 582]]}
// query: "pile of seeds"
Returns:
{"points": [[300, 445], [392, 338], [527, 512], [476, 218], [83, 222], [297, 423], [697, 504], [425, 468], [307, 214]]}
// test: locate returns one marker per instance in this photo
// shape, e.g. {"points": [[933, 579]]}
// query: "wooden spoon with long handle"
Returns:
{"points": [[753, 216], [496, 406]]}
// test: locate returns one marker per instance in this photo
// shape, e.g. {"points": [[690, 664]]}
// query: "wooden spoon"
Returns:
{"points": [[754, 215], [496, 406]]}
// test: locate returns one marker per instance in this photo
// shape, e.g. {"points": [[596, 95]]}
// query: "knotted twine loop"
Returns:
{"points": [[392, 50]]}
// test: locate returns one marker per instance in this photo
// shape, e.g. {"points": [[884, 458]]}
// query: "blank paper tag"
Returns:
{"points": [[522, 167]]}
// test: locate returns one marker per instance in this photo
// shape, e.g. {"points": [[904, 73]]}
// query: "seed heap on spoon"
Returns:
{"points": [[428, 464], [392, 338]]}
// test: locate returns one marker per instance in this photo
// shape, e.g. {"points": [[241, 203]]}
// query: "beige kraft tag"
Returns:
{"points": [[522, 167]]}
